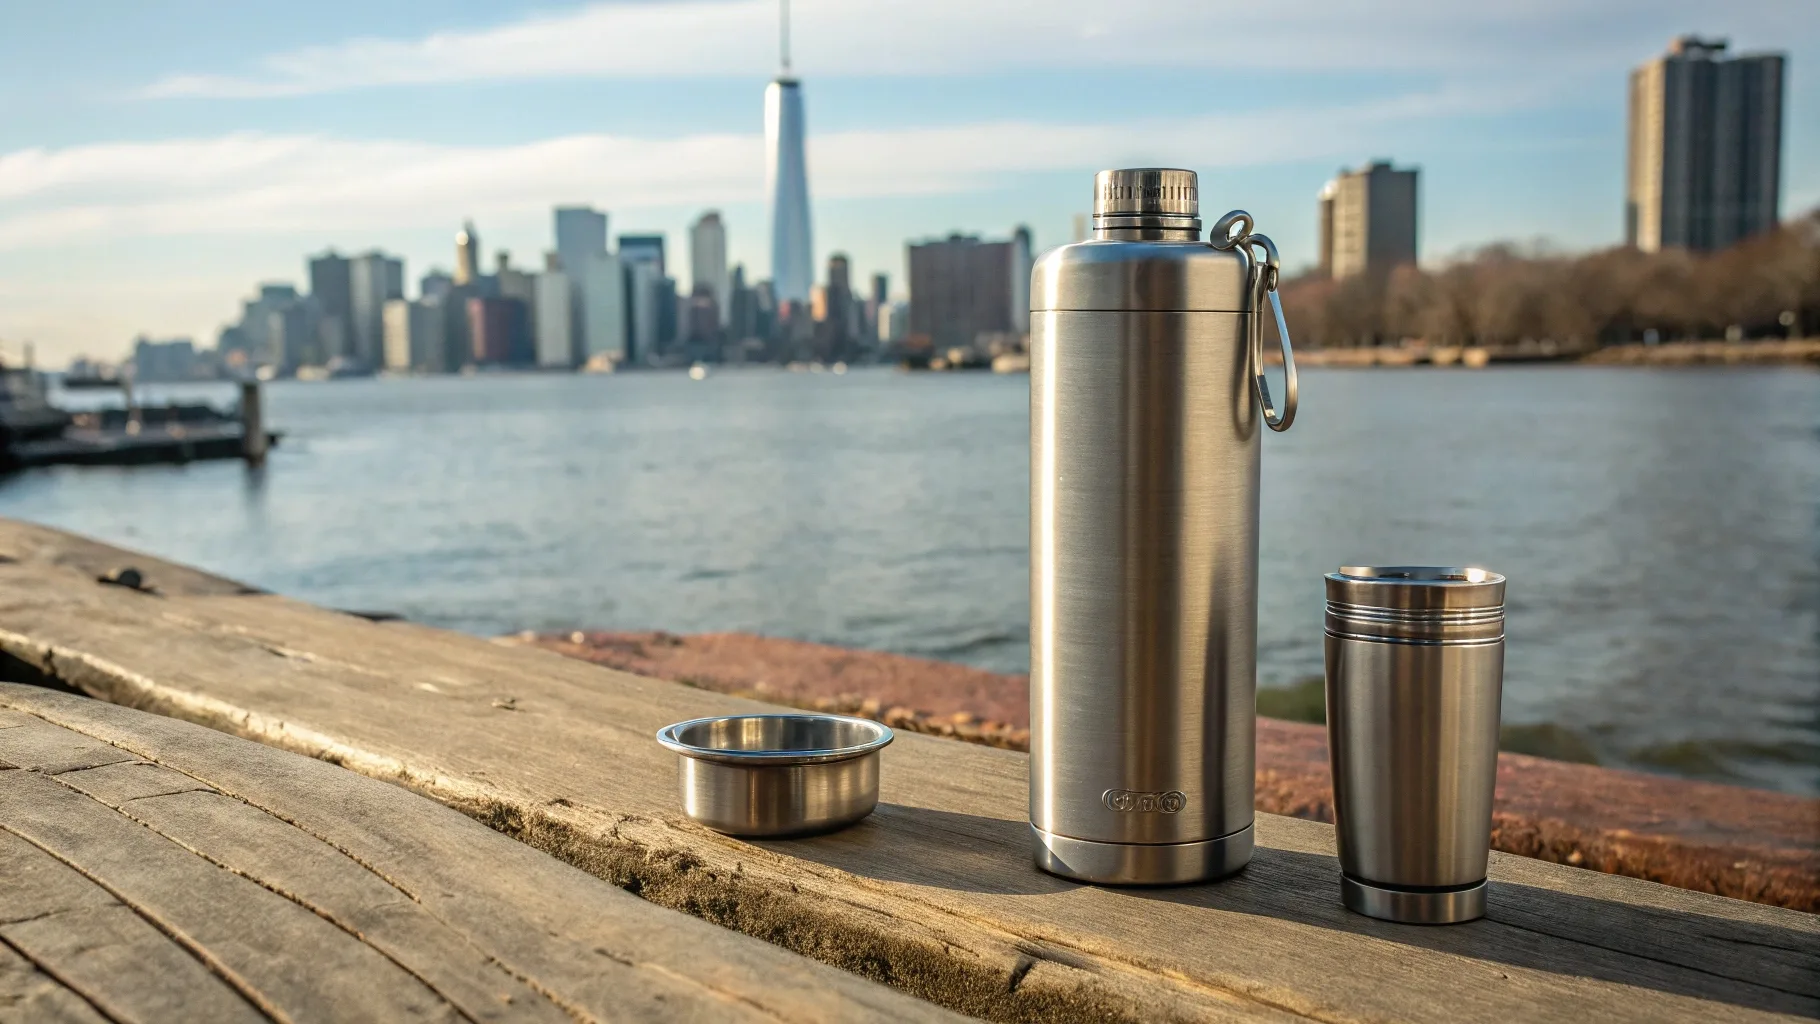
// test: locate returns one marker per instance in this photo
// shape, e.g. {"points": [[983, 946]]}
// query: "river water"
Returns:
{"points": [[1660, 528]]}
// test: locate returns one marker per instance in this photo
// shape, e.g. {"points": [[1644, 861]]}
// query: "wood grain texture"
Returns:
{"points": [[339, 893], [30, 996], [935, 893]]}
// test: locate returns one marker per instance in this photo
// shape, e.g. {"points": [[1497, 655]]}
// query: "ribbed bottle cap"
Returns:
{"points": [[1146, 192], [1416, 604]]}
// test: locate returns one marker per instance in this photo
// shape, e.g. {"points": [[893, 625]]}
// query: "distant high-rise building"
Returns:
{"points": [[1022, 263], [881, 289], [787, 181], [255, 336], [374, 279], [961, 287], [643, 249], [1324, 227], [581, 231], [742, 318], [1372, 213], [330, 286], [708, 259], [600, 330], [1705, 155], [641, 308], [551, 314], [837, 321], [435, 285], [497, 327], [597, 318], [511, 283], [173, 360], [467, 254], [293, 336], [414, 333]]}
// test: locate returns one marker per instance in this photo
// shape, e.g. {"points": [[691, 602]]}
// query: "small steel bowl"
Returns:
{"points": [[777, 775]]}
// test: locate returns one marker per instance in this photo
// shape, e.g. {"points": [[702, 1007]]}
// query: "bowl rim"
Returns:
{"points": [[670, 737]]}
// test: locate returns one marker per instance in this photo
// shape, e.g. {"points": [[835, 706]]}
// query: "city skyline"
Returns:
{"points": [[146, 188]]}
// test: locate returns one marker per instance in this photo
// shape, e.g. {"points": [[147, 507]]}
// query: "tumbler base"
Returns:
{"points": [[1423, 906], [1140, 863]]}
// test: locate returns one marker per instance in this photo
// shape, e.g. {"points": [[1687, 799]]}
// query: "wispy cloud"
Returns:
{"points": [[924, 37], [253, 183]]}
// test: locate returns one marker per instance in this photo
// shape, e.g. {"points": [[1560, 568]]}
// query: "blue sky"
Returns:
{"points": [[158, 161]]}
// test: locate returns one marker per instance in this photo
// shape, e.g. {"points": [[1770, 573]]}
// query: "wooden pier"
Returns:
{"points": [[933, 896]]}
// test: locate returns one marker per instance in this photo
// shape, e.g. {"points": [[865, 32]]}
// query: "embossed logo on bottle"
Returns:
{"points": [[1127, 801]]}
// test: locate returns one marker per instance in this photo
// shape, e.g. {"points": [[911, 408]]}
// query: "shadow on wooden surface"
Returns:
{"points": [[1526, 926]]}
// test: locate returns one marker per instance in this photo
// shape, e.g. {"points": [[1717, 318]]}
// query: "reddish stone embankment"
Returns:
{"points": [[1744, 843]]}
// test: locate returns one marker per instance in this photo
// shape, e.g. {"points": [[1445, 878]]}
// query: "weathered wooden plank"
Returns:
{"points": [[283, 958], [432, 884], [278, 855], [605, 971], [30, 996], [98, 947], [42, 747], [934, 893]]}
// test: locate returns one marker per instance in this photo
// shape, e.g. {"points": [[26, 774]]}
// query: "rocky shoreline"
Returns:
{"points": [[1744, 843]]}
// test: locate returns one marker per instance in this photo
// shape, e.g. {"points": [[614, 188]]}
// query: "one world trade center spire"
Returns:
{"points": [[787, 180]]}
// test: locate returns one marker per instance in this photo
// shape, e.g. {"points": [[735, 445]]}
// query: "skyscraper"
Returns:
{"points": [[1368, 220], [373, 279], [643, 249], [1705, 147], [961, 287], [580, 232], [329, 285], [708, 259], [467, 254], [787, 181]]}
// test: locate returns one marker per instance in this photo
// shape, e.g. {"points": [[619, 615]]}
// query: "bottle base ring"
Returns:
{"points": [[1142, 863], [1406, 906]]}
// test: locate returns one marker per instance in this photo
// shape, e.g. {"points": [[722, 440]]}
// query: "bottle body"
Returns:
{"points": [[1144, 539]]}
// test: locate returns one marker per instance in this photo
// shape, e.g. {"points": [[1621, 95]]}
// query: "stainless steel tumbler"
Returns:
{"points": [[1145, 419], [1415, 670]]}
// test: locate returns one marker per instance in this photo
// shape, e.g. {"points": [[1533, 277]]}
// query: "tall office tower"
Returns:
{"points": [[373, 279], [551, 315], [467, 254], [960, 288], [641, 307], [787, 181], [414, 335], [496, 327], [1022, 263], [1373, 215], [435, 285], [708, 260], [581, 231], [256, 323], [512, 283], [600, 333], [643, 249], [1324, 228], [292, 336], [837, 327], [581, 245], [1705, 147], [329, 284]]}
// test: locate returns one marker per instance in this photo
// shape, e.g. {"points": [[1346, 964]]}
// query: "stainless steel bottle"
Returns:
{"points": [[1146, 410], [1415, 670]]}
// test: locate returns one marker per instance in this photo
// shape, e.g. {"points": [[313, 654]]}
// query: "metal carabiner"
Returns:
{"points": [[1264, 275]]}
